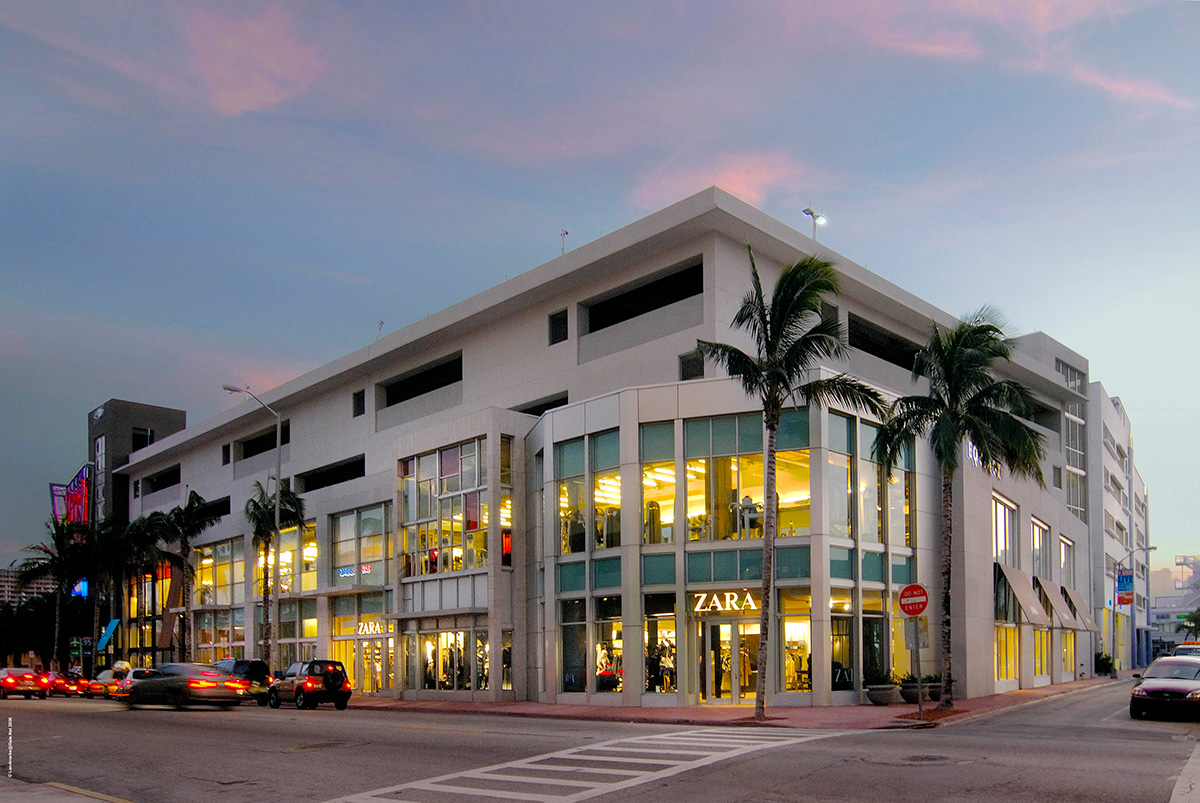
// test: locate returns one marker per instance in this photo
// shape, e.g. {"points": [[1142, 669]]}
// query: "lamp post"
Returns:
{"points": [[273, 605], [817, 218], [1132, 608]]}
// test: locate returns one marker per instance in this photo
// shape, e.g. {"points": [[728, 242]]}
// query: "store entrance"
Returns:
{"points": [[730, 662], [369, 663]]}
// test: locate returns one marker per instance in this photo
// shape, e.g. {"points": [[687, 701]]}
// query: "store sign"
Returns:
{"points": [[370, 629], [725, 602], [345, 571]]}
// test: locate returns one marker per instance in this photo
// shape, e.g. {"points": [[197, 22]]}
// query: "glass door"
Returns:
{"points": [[731, 660], [747, 674]]}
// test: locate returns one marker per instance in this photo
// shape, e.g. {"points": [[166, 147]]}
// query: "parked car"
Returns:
{"points": [[307, 684], [1168, 686], [67, 684], [132, 677], [22, 681], [1187, 648], [105, 682], [255, 672], [186, 684]]}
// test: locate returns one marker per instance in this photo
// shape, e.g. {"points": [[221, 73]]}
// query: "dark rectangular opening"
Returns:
{"points": [[691, 366], [217, 507], [332, 474], [163, 479], [226, 454], [426, 379], [359, 403], [252, 447], [643, 298], [540, 406], [558, 326], [879, 342], [142, 437]]}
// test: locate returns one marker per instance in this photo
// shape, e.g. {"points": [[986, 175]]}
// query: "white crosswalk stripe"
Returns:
{"points": [[590, 770]]}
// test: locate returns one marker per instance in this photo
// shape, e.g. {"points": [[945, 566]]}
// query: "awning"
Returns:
{"points": [[1019, 582], [1081, 610], [1061, 609]]}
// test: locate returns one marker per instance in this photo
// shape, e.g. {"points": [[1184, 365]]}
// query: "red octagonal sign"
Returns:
{"points": [[913, 600]]}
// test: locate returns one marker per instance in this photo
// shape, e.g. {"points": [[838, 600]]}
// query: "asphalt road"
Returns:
{"points": [[1079, 747]]}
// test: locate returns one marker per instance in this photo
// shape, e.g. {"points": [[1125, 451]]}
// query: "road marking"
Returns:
{"points": [[87, 793], [1187, 786], [595, 769]]}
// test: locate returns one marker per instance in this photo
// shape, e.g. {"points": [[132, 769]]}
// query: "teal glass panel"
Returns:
{"points": [[658, 569], [841, 433], [724, 435], [750, 433], [725, 566], [606, 573], [699, 567], [658, 442], [792, 562], [696, 442], [606, 450], [793, 430], [750, 564], [841, 563], [901, 570], [872, 567], [572, 577], [568, 458], [866, 440]]}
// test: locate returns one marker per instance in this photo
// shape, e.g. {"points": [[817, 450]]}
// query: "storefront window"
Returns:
{"points": [[877, 658], [568, 471], [574, 644], [724, 466], [658, 483], [841, 639], [1068, 652], [1007, 646], [899, 500], [362, 547], [606, 489], [506, 650], [795, 626], [839, 488], [445, 510], [872, 491], [794, 489], [1041, 651], [659, 640], [609, 644], [220, 573]]}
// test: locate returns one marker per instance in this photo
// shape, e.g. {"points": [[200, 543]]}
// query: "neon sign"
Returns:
{"points": [[370, 629], [725, 602], [346, 571]]}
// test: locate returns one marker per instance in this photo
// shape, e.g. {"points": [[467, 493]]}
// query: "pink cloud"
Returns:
{"points": [[1038, 18], [248, 64], [1125, 89], [748, 176], [941, 44]]}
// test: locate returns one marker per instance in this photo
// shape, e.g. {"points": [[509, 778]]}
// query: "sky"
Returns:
{"points": [[197, 193]]}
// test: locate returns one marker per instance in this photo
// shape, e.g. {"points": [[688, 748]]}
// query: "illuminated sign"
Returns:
{"points": [[366, 569], [725, 602], [79, 497], [346, 571], [369, 629], [58, 502]]}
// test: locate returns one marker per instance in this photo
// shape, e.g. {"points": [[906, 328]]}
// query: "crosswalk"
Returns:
{"points": [[591, 770]]}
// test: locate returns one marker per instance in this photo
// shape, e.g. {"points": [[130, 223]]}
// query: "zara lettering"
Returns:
{"points": [[724, 601], [369, 629]]}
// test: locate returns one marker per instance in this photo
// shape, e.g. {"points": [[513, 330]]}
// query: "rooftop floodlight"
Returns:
{"points": [[817, 218], [232, 389]]}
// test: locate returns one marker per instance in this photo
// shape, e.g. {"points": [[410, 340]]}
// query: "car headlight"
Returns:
{"points": [[1140, 692], [1194, 695]]}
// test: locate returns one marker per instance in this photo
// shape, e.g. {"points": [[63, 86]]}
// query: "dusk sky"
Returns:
{"points": [[199, 193]]}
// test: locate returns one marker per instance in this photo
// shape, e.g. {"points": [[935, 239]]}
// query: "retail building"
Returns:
{"points": [[534, 495]]}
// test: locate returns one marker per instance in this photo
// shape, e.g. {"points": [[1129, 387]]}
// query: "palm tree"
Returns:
{"points": [[791, 340], [260, 512], [965, 403], [187, 522], [143, 538], [57, 559], [1189, 625]]}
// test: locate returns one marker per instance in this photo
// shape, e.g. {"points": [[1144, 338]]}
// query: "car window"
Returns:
{"points": [[1178, 670], [293, 670]]}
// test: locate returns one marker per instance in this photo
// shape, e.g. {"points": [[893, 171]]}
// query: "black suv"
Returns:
{"points": [[253, 671], [310, 683]]}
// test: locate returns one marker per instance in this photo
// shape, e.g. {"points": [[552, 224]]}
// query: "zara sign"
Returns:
{"points": [[724, 602]]}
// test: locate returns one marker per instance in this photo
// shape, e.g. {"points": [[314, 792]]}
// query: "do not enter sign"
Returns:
{"points": [[913, 600]]}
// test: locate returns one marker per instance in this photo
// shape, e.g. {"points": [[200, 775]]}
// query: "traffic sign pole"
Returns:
{"points": [[913, 600]]}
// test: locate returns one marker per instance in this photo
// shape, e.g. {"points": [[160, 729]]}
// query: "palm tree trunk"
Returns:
{"points": [[947, 558], [764, 617]]}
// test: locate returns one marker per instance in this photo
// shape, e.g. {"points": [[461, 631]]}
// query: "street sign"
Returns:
{"points": [[107, 634], [1124, 597], [1124, 581], [76, 643], [913, 600]]}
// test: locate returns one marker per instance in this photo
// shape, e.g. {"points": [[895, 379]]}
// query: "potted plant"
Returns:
{"points": [[933, 686], [880, 689], [910, 687]]}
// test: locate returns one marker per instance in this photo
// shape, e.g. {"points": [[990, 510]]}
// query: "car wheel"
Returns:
{"points": [[261, 700], [28, 695], [273, 698], [340, 704], [1136, 713], [180, 701], [300, 701], [42, 696]]}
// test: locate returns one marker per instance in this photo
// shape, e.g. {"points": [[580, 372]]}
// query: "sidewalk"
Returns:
{"points": [[836, 717]]}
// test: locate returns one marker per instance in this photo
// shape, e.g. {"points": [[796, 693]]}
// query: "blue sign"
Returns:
{"points": [[1124, 581], [109, 629], [345, 572], [80, 589]]}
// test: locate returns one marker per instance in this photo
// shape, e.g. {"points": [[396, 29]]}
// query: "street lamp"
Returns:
{"points": [[817, 218], [271, 613], [1132, 608]]}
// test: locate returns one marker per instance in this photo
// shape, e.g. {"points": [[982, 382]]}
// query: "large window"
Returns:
{"points": [[839, 487], [362, 547], [1041, 651], [872, 490], [1066, 561], [568, 473], [658, 483], [574, 644], [795, 626], [841, 639], [220, 573], [1007, 652], [793, 486], [606, 489], [609, 644], [1004, 532], [220, 634], [1043, 556], [446, 509], [724, 466], [659, 636]]}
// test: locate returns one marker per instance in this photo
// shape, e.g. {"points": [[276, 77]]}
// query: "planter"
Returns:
{"points": [[908, 692], [881, 695]]}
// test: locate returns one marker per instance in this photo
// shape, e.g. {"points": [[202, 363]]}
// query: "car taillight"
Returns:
{"points": [[346, 686], [270, 679], [211, 674], [10, 680], [197, 683], [44, 681], [237, 684]]}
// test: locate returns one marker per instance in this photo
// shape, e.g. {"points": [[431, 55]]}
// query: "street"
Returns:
{"points": [[1078, 747]]}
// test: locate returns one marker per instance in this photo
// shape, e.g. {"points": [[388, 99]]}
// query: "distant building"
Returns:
{"points": [[1168, 610], [117, 429], [12, 594]]}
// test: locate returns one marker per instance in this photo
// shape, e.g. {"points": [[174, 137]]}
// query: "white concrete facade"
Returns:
{"points": [[572, 620]]}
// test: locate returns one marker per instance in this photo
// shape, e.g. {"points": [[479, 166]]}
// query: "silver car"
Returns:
{"points": [[187, 684]]}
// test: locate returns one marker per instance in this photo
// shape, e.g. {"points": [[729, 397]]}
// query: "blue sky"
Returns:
{"points": [[200, 193]]}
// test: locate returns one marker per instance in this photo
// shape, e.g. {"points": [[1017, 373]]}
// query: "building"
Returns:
{"points": [[1170, 609], [117, 429], [12, 594], [533, 495]]}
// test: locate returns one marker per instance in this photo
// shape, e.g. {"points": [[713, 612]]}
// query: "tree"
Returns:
{"points": [[57, 559], [791, 340], [186, 523], [1189, 625], [967, 403], [260, 512], [142, 540]]}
